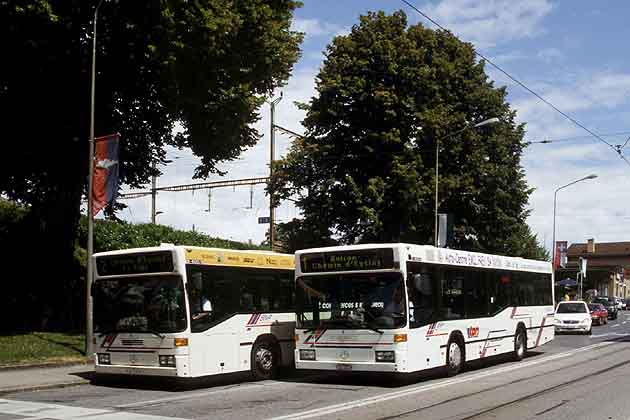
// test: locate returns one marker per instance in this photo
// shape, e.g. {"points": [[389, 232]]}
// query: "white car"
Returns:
{"points": [[621, 305], [573, 315]]}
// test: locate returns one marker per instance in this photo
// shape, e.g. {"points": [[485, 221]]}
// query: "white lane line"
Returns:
{"points": [[198, 394], [624, 322], [615, 326], [332, 409], [36, 410]]}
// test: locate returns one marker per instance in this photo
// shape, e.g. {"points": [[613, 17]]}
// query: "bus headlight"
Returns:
{"points": [[103, 359], [307, 354], [167, 360], [385, 356]]}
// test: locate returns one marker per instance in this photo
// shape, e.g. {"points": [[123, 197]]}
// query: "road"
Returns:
{"points": [[574, 377]]}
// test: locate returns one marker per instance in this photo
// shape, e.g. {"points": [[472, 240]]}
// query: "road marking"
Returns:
{"points": [[609, 334], [197, 394], [332, 409], [36, 410], [624, 322], [615, 326]]}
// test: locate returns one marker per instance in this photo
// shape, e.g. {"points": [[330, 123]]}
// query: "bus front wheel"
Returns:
{"points": [[454, 356], [520, 344], [265, 357]]}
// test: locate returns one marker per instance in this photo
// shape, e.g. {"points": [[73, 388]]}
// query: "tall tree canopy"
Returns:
{"points": [[387, 95], [206, 64]]}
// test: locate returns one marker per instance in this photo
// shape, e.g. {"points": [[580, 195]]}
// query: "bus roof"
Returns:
{"points": [[446, 256]]}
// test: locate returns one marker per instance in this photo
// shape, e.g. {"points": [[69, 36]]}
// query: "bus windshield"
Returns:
{"points": [[351, 301], [153, 304]]}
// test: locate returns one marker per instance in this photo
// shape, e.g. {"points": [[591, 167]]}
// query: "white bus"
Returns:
{"points": [[184, 311], [403, 308]]}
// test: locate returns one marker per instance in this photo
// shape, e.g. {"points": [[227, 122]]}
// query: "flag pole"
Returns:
{"points": [[90, 241]]}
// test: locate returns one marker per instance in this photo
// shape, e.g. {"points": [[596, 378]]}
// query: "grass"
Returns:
{"points": [[41, 347]]}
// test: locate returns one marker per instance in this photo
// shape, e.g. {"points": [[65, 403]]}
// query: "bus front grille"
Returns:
{"points": [[132, 342]]}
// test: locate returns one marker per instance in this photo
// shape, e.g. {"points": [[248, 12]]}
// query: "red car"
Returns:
{"points": [[599, 314]]}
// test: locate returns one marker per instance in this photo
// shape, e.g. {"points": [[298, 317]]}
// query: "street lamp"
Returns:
{"points": [[437, 159], [553, 240]]}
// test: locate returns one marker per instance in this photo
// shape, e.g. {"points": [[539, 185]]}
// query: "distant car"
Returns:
{"points": [[609, 304], [573, 315], [599, 314], [622, 304]]}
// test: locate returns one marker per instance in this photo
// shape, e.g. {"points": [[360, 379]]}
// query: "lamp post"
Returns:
{"points": [[437, 159], [555, 194]]}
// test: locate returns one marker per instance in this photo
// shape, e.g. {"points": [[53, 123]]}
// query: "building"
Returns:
{"points": [[607, 267]]}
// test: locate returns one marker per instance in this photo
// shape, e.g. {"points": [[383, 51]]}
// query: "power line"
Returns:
{"points": [[621, 133], [521, 84]]}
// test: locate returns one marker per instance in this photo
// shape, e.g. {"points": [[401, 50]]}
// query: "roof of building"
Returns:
{"points": [[601, 249]]}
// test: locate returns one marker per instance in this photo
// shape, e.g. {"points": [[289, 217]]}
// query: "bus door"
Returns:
{"points": [[213, 304]]}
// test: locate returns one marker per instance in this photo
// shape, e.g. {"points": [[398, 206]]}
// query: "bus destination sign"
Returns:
{"points": [[355, 260], [124, 264]]}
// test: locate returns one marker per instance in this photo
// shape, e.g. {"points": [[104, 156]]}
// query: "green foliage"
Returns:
{"points": [[11, 214], [387, 95], [112, 235], [301, 234], [205, 64]]}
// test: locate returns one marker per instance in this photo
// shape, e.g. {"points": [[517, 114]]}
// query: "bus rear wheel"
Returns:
{"points": [[265, 357], [455, 358]]}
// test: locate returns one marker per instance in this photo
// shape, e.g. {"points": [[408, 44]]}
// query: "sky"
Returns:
{"points": [[572, 53]]}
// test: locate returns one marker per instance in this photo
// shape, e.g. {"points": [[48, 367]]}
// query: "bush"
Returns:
{"points": [[112, 235]]}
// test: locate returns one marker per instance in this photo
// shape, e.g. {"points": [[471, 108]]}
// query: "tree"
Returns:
{"points": [[386, 94], [205, 65]]}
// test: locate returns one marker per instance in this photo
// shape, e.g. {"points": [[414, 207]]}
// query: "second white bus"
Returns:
{"points": [[404, 308]]}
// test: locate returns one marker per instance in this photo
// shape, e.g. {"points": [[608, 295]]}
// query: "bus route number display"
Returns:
{"points": [[154, 262], [355, 260]]}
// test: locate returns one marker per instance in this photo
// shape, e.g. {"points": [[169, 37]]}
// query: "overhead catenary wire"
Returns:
{"points": [[563, 139], [521, 84]]}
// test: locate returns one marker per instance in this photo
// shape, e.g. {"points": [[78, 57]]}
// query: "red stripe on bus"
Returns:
{"points": [[540, 331]]}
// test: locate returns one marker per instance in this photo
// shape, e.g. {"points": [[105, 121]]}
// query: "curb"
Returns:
{"points": [[4, 368], [41, 387]]}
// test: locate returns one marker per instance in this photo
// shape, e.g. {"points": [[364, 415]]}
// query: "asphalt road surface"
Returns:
{"points": [[574, 377]]}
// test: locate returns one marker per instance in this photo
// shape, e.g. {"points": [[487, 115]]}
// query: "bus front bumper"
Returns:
{"points": [[348, 366], [136, 370]]}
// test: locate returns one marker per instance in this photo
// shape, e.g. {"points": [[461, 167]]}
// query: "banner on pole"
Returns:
{"points": [[560, 259], [105, 185], [583, 262]]}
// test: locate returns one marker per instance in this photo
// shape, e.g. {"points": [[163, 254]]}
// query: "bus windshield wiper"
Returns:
{"points": [[155, 333], [369, 327]]}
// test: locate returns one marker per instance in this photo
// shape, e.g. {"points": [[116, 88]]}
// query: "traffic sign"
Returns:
{"points": [[264, 220]]}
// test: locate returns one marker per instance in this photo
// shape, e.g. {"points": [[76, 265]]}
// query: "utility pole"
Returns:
{"points": [[153, 192], [271, 159]]}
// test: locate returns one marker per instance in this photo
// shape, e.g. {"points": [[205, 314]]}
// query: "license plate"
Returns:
{"points": [[344, 366]]}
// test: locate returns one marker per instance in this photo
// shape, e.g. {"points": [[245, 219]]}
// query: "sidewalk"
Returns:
{"points": [[37, 378]]}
